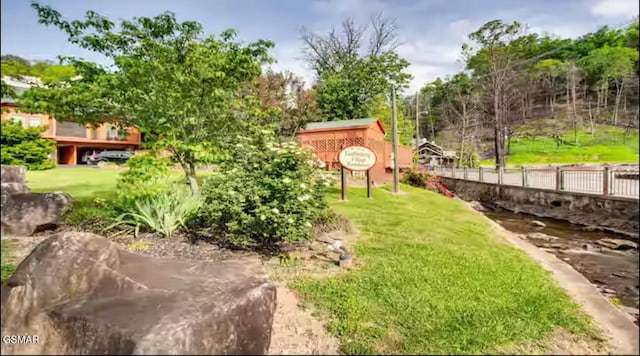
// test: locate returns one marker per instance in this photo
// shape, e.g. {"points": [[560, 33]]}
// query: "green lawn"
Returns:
{"points": [[608, 145], [435, 280], [81, 183]]}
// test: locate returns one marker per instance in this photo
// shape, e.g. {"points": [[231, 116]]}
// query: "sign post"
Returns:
{"points": [[343, 183], [356, 158]]}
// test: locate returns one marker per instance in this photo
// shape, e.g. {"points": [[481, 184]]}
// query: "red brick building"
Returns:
{"points": [[327, 139]]}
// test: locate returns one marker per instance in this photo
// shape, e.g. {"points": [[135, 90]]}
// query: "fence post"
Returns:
{"points": [[453, 171], [466, 174], [500, 171], [480, 178], [605, 181], [524, 176], [558, 178]]}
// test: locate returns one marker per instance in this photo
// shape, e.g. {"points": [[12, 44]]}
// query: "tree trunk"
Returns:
{"points": [[605, 96], [193, 182], [497, 128], [573, 97], [464, 132], [619, 88], [188, 167], [591, 120]]}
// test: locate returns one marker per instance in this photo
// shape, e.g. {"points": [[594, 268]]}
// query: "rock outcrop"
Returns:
{"points": [[23, 212], [81, 294], [13, 180]]}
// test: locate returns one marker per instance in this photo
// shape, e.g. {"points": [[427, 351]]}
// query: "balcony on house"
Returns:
{"points": [[70, 131]]}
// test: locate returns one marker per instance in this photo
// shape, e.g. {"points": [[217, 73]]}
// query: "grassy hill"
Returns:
{"points": [[607, 145]]}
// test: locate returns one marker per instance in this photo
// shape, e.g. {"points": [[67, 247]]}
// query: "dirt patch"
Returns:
{"points": [[561, 342], [177, 246], [296, 332]]}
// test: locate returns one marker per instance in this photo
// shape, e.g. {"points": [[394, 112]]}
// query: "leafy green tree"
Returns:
{"points": [[166, 79], [47, 71], [281, 100], [7, 90], [406, 126], [550, 72], [493, 58], [25, 147], [350, 76], [435, 96], [14, 69], [608, 64]]}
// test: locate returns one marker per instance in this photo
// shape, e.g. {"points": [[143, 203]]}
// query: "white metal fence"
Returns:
{"points": [[615, 181]]}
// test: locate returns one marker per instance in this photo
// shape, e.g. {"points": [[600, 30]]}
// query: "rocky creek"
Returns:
{"points": [[608, 260]]}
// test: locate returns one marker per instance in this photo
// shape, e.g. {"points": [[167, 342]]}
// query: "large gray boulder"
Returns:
{"points": [[23, 214], [12, 174], [81, 294], [13, 180]]}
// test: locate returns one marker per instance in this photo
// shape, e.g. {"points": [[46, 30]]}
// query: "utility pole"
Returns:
{"points": [[394, 142], [417, 155]]}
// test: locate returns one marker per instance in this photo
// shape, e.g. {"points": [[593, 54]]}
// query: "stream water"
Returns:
{"points": [[613, 271]]}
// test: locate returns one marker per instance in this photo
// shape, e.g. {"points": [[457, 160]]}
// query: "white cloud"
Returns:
{"points": [[429, 60], [289, 58], [615, 8], [347, 8], [422, 51], [462, 28]]}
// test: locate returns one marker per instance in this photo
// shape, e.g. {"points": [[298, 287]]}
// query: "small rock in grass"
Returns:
{"points": [[477, 206], [609, 291]]}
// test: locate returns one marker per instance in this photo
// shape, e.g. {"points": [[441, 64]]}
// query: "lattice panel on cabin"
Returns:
{"points": [[322, 145], [341, 144], [331, 145]]}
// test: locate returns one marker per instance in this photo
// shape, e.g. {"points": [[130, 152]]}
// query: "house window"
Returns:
{"points": [[17, 118], [34, 122]]}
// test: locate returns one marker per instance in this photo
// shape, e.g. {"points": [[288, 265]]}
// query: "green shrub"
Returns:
{"points": [[25, 147], [91, 216], [421, 178], [147, 177], [163, 213], [330, 221], [265, 192]]}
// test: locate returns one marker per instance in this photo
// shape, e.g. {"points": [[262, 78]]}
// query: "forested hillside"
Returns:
{"points": [[520, 87]]}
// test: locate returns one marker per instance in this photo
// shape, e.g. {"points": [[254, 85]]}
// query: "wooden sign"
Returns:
{"points": [[357, 158]]}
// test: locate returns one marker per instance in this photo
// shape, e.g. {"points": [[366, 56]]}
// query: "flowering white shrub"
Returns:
{"points": [[266, 192]]}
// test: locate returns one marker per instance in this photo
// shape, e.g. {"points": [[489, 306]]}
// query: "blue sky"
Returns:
{"points": [[431, 31]]}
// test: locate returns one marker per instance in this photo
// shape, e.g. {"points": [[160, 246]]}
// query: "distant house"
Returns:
{"points": [[430, 154], [327, 139], [73, 141]]}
